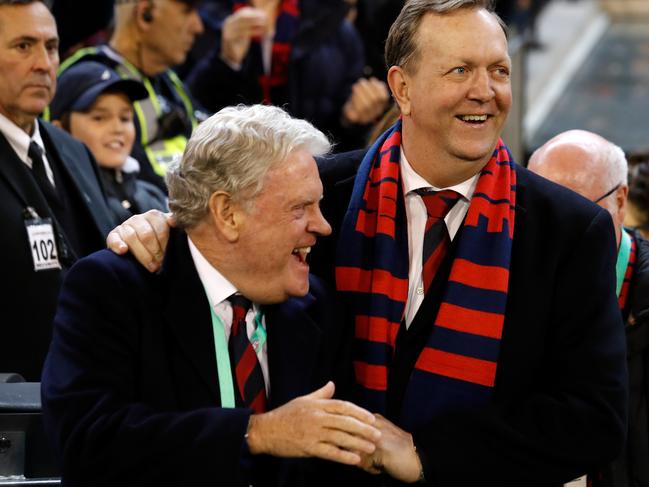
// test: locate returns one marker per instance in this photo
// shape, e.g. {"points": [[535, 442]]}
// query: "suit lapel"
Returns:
{"points": [[187, 312], [293, 343]]}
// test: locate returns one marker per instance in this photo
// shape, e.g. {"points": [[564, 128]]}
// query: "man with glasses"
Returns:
{"points": [[597, 169]]}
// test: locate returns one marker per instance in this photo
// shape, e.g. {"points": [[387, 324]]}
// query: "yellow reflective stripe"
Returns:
{"points": [[141, 119], [163, 152], [85, 51], [157, 168], [180, 89]]}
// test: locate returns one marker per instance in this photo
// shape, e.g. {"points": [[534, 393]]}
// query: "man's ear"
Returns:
{"points": [[398, 80], [143, 14], [227, 215], [621, 196]]}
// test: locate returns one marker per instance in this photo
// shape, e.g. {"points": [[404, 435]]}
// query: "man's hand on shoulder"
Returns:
{"points": [[315, 425], [145, 236]]}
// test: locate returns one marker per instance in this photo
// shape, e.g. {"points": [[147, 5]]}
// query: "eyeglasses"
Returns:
{"points": [[608, 193]]}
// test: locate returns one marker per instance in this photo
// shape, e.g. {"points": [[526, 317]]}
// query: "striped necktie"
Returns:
{"points": [[436, 238], [247, 370]]}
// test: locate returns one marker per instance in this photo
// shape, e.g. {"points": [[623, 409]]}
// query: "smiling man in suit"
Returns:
{"points": [[192, 375], [487, 332], [53, 205]]}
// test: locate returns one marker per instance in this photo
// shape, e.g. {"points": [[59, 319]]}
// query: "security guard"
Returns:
{"points": [[150, 37]]}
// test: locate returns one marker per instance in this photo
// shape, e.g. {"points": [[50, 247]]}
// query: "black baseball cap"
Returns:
{"points": [[80, 85]]}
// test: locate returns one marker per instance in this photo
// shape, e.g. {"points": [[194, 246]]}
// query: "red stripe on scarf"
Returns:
{"points": [[381, 194], [368, 225], [460, 367], [374, 329], [375, 281], [501, 211], [467, 320], [480, 276], [496, 214], [379, 204], [372, 376]]}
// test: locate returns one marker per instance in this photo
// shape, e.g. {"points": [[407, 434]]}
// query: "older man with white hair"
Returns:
{"points": [[597, 169], [207, 371]]}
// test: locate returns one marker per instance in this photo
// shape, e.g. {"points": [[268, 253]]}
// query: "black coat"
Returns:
{"points": [[631, 469], [28, 298], [559, 403], [130, 387]]}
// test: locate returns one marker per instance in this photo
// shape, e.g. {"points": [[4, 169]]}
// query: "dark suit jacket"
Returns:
{"points": [[559, 403], [28, 298], [130, 385]]}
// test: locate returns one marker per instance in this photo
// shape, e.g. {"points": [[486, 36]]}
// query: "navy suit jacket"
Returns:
{"points": [[130, 385], [28, 298], [559, 402]]}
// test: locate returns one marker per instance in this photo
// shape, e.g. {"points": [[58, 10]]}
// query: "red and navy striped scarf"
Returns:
{"points": [[286, 27], [457, 367], [623, 299]]}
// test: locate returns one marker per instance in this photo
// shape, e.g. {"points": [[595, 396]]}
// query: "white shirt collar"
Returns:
{"points": [[18, 139], [413, 181], [217, 287]]}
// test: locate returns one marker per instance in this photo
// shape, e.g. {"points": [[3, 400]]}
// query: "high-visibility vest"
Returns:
{"points": [[160, 152]]}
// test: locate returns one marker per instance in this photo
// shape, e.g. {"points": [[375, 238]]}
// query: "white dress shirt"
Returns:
{"points": [[417, 215], [19, 142], [218, 290]]}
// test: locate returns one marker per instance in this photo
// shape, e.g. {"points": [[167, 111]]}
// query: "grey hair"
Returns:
{"points": [[401, 46], [232, 151], [615, 163]]}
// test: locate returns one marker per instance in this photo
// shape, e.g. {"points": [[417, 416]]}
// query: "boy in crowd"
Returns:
{"points": [[95, 106]]}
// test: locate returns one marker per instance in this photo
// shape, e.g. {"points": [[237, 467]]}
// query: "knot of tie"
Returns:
{"points": [[35, 152], [240, 306], [436, 238], [438, 203]]}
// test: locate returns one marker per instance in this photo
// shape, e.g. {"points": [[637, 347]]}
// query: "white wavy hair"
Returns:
{"points": [[232, 151]]}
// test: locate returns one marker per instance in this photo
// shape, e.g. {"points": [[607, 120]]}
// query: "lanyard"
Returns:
{"points": [[258, 339], [622, 260]]}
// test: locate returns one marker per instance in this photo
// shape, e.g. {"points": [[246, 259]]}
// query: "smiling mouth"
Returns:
{"points": [[473, 119], [301, 253]]}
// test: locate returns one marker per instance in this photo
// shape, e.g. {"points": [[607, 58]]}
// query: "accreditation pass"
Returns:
{"points": [[42, 243]]}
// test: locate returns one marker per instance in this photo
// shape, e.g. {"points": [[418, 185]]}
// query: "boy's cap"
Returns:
{"points": [[80, 85]]}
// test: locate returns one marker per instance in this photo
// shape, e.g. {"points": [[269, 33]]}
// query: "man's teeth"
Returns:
{"points": [[303, 251], [474, 118], [115, 145]]}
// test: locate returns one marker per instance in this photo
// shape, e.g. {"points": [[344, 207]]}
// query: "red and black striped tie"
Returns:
{"points": [[436, 238], [247, 370]]}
